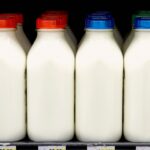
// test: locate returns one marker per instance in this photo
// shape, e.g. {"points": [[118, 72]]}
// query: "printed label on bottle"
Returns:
{"points": [[52, 148], [101, 148], [7, 147], [143, 148]]}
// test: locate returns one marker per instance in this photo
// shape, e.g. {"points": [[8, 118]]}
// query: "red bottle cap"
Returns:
{"points": [[55, 13], [51, 22], [6, 22], [17, 16]]}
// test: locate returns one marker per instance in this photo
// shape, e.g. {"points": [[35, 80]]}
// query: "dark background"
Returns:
{"points": [[77, 9]]}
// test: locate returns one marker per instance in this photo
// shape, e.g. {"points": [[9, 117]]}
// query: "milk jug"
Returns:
{"points": [[99, 71], [137, 84], [50, 83], [12, 79]]}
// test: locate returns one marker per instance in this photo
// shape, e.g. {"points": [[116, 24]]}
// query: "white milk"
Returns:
{"points": [[137, 84], [70, 37], [12, 87], [99, 71], [50, 71]]}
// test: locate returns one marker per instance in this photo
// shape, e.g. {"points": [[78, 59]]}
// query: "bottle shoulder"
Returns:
{"points": [[99, 49], [43, 51], [97, 42], [138, 48], [109, 56], [137, 54], [11, 45], [50, 44], [12, 54]]}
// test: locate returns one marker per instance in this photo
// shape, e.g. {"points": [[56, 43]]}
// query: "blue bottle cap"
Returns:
{"points": [[99, 22], [106, 14], [142, 23]]}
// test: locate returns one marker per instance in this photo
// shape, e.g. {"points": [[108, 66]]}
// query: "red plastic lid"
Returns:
{"points": [[55, 13], [6, 22], [51, 22], [17, 16]]}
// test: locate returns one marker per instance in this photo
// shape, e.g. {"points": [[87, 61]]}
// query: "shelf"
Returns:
{"points": [[76, 144], [23, 145]]}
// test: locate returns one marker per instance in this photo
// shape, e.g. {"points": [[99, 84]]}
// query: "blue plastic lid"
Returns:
{"points": [[142, 23], [106, 14], [99, 22]]}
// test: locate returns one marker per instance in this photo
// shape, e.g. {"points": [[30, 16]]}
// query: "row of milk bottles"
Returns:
{"points": [[62, 87]]}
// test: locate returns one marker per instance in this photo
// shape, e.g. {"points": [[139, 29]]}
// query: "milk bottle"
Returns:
{"points": [[137, 83], [99, 69], [12, 79], [50, 83]]}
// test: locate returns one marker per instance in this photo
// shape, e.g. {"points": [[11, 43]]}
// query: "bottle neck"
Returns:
{"points": [[99, 33], [54, 33]]}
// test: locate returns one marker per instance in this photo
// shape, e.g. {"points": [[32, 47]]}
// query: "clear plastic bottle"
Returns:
{"points": [[12, 79], [137, 83], [50, 83], [99, 72]]}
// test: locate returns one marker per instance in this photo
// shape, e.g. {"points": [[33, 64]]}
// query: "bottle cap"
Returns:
{"points": [[6, 22], [51, 22], [99, 22], [142, 23], [18, 17]]}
